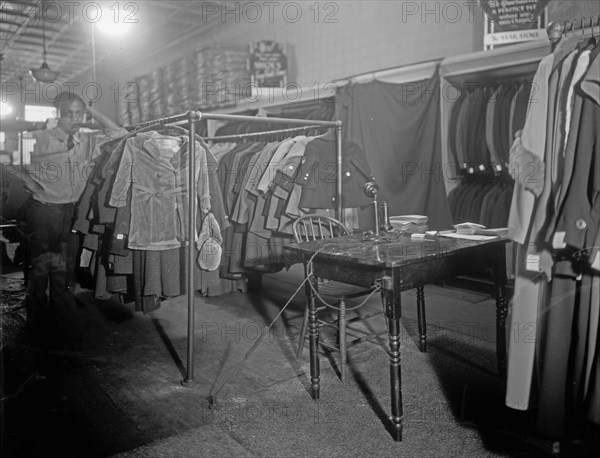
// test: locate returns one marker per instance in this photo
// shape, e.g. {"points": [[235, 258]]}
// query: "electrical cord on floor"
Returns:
{"points": [[212, 398], [335, 307], [376, 287], [35, 377]]}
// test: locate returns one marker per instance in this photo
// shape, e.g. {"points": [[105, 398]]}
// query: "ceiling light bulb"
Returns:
{"points": [[116, 22], [44, 74]]}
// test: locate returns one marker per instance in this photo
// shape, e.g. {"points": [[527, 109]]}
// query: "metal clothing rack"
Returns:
{"points": [[261, 134], [191, 118], [584, 27]]}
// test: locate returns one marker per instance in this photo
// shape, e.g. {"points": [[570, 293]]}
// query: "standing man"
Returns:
{"points": [[60, 163]]}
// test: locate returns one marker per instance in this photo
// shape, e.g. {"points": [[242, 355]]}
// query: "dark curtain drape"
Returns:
{"points": [[398, 126]]}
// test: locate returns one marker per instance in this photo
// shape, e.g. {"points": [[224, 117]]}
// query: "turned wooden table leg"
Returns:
{"points": [[501, 313], [421, 321], [313, 335], [393, 312]]}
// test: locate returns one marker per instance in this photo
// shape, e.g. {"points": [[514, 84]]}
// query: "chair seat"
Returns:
{"points": [[342, 291]]}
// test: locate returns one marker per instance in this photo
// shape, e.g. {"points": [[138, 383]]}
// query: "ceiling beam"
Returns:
{"points": [[20, 30], [55, 38]]}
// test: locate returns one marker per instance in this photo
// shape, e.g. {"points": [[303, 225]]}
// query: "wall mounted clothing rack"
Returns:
{"points": [[191, 118]]}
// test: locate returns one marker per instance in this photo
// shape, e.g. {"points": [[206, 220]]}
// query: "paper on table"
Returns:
{"points": [[454, 235]]}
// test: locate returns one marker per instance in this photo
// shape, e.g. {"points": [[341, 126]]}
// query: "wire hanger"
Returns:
{"points": [[582, 29]]}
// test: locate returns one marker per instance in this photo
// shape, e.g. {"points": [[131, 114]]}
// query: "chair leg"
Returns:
{"points": [[421, 321], [302, 335], [342, 338]]}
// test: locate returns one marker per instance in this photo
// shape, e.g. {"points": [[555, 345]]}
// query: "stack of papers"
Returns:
{"points": [[415, 219], [479, 234], [455, 235], [469, 228], [410, 223]]}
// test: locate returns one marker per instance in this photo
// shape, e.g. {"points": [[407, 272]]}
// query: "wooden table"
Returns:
{"points": [[396, 263]]}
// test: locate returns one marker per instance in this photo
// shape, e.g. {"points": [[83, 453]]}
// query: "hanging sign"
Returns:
{"points": [[513, 21], [268, 65]]}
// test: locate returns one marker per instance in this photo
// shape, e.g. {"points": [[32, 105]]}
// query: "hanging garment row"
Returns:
{"points": [[133, 216], [554, 217], [268, 184], [483, 123], [483, 197], [484, 120]]}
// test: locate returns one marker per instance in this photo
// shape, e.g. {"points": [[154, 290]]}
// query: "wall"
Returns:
{"points": [[565, 10], [333, 40]]}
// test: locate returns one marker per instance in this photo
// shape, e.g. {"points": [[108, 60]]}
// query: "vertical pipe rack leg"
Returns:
{"points": [[191, 117], [338, 145], [191, 286]]}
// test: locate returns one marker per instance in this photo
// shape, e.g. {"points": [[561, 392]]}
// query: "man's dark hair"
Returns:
{"points": [[68, 97]]}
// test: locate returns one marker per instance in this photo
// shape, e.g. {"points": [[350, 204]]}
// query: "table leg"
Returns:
{"points": [[422, 322], [313, 335], [342, 338], [392, 309], [501, 313]]}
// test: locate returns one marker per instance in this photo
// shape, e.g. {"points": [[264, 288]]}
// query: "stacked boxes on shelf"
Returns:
{"points": [[211, 77]]}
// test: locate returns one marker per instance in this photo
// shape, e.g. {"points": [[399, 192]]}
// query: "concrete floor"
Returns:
{"points": [[121, 395]]}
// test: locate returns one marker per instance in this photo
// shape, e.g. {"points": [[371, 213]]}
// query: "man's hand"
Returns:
{"points": [[91, 112], [31, 186], [29, 183], [101, 118]]}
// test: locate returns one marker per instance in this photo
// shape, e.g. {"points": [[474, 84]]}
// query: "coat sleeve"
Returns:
{"points": [[124, 177]]}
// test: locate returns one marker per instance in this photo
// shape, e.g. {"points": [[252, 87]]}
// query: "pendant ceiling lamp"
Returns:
{"points": [[44, 74]]}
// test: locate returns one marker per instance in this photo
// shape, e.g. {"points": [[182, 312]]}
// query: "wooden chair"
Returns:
{"points": [[315, 227]]}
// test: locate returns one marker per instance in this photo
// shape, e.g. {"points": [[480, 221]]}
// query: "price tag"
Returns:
{"points": [[533, 263], [86, 258], [558, 241]]}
